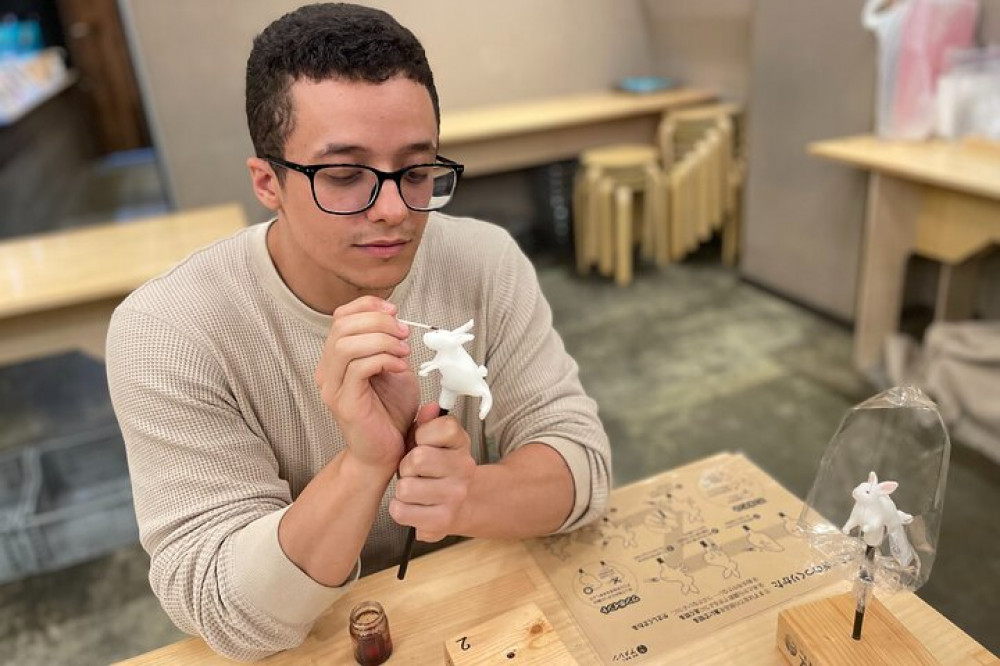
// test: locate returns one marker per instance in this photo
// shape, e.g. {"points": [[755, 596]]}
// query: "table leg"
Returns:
{"points": [[889, 236], [606, 227], [956, 292], [624, 245]]}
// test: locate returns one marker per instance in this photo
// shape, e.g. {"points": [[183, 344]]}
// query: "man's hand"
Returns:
{"points": [[365, 380], [435, 477]]}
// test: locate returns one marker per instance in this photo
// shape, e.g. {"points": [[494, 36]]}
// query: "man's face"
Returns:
{"points": [[387, 126]]}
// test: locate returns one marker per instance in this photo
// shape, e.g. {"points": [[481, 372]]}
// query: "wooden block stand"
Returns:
{"points": [[522, 636], [819, 634]]}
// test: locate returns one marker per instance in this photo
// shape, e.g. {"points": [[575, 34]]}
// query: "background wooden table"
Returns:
{"points": [[58, 289], [938, 199]]}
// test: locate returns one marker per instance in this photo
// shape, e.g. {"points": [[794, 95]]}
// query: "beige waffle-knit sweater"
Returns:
{"points": [[211, 374]]}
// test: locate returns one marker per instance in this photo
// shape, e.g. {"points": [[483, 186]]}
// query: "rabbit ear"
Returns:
{"points": [[465, 337], [464, 328], [887, 486], [872, 479]]}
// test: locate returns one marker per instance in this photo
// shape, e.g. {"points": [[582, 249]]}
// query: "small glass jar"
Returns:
{"points": [[369, 630]]}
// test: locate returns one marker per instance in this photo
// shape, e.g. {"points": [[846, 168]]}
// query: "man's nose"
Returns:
{"points": [[388, 206]]}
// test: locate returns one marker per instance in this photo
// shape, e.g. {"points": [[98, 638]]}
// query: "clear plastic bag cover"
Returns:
{"points": [[899, 435]]}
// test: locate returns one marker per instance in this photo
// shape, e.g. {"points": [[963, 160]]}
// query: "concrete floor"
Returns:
{"points": [[686, 362]]}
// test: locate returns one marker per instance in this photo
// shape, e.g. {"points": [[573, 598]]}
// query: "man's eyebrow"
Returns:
{"points": [[332, 149], [421, 147], [338, 149]]}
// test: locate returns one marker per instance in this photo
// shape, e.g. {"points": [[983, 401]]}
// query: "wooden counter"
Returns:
{"points": [[490, 139], [947, 164]]}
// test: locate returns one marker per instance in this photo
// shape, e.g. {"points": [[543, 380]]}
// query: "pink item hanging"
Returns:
{"points": [[914, 39]]}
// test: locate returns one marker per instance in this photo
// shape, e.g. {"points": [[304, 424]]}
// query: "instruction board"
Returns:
{"points": [[679, 555]]}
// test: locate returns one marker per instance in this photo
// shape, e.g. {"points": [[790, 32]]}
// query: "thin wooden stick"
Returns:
{"points": [[413, 323]]}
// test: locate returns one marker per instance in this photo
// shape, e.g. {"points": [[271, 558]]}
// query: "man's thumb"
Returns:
{"points": [[427, 413]]}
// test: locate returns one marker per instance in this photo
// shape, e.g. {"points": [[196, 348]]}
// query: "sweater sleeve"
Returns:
{"points": [[208, 495], [536, 388]]}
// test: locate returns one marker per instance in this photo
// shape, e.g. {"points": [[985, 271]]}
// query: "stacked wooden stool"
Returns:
{"points": [[668, 199], [704, 154], [617, 202]]}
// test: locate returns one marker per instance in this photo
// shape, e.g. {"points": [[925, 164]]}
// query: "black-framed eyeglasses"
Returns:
{"points": [[348, 189]]}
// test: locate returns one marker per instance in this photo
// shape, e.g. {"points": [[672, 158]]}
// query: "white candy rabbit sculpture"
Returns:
{"points": [[460, 375], [875, 515]]}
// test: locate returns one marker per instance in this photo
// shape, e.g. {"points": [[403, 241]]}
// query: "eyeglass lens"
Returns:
{"points": [[349, 189]]}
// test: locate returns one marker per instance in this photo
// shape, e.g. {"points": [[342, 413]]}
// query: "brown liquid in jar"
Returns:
{"points": [[369, 629]]}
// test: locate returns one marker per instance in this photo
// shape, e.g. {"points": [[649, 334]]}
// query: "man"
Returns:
{"points": [[265, 387]]}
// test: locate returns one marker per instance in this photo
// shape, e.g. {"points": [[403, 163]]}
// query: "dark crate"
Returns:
{"points": [[63, 502]]}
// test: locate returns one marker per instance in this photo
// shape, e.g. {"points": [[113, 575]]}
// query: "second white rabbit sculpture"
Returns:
{"points": [[875, 515]]}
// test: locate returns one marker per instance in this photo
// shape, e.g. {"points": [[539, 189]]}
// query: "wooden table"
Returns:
{"points": [[449, 591], [938, 199], [502, 137], [58, 289]]}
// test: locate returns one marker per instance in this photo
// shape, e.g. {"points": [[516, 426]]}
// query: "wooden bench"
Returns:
{"points": [[58, 289]]}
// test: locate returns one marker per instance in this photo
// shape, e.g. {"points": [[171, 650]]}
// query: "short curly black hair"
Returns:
{"points": [[318, 42]]}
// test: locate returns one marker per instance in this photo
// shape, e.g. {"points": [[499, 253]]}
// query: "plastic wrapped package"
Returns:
{"points": [[914, 38], [900, 437], [968, 100]]}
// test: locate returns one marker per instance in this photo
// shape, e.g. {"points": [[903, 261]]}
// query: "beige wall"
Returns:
{"points": [[813, 77], [704, 44], [989, 26], [191, 56]]}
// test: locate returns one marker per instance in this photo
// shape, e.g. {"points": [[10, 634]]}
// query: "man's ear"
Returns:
{"points": [[265, 183]]}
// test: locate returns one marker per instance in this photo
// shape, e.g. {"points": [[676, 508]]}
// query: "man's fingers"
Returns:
{"points": [[367, 322], [369, 344], [427, 413], [430, 491], [354, 383], [431, 522], [444, 432], [340, 353], [365, 304], [433, 462], [364, 327], [430, 537], [360, 370]]}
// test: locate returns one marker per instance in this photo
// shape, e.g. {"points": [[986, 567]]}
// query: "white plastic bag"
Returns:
{"points": [[914, 38], [968, 100]]}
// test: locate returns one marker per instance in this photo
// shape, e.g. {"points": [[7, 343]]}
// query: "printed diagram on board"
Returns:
{"points": [[678, 575], [601, 581], [687, 551], [671, 514]]}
